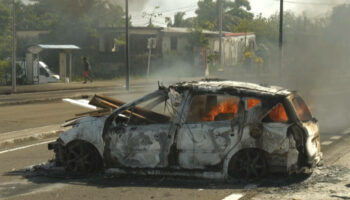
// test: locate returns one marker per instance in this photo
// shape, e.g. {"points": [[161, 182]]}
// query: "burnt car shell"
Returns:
{"points": [[216, 128]]}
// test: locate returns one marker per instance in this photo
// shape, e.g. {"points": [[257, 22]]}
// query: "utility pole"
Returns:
{"points": [[127, 79], [220, 32], [281, 39], [13, 47]]}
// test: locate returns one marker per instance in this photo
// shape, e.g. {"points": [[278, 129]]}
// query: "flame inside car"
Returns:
{"points": [[226, 109], [278, 114], [251, 103]]}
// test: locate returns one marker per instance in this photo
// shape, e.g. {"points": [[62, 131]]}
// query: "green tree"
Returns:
{"points": [[179, 20], [72, 7], [207, 14], [233, 13], [266, 29], [5, 33], [197, 38]]}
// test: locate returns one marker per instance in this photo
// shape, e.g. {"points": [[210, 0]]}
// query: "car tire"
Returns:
{"points": [[82, 159], [248, 164]]}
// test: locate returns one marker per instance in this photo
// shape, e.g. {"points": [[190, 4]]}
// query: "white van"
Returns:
{"points": [[46, 75]]}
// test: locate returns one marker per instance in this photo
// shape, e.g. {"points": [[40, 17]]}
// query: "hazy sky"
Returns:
{"points": [[265, 7]]}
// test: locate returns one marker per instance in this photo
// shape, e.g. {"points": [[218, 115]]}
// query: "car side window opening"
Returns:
{"points": [[252, 102], [206, 108], [302, 110], [159, 110], [277, 115]]}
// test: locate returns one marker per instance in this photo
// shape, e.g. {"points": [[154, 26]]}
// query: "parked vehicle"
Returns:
{"points": [[209, 128], [41, 72], [46, 75]]}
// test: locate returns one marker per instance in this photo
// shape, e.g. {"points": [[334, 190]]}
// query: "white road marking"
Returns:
{"points": [[335, 137], [347, 131], [80, 102], [326, 143], [233, 197], [25, 147]]}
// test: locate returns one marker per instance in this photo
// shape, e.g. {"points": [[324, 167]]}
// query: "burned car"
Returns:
{"points": [[209, 128]]}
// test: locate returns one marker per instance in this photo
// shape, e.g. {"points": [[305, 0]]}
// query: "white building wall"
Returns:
{"points": [[233, 47], [166, 44], [182, 44]]}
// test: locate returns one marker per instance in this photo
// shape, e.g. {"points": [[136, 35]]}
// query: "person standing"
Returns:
{"points": [[87, 69]]}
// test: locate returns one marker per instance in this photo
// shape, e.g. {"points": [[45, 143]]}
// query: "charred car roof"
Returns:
{"points": [[231, 87]]}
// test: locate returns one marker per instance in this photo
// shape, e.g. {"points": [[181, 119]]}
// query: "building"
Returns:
{"points": [[174, 41]]}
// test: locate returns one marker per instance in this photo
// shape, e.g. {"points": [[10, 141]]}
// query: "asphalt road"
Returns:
{"points": [[18, 183], [50, 109]]}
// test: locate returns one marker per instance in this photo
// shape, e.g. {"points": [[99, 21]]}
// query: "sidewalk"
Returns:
{"points": [[4, 90], [61, 86]]}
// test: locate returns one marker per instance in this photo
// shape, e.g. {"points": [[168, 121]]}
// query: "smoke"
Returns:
{"points": [[315, 8], [134, 5], [316, 62], [316, 58]]}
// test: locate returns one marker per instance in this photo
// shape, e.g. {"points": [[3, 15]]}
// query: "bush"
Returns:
{"points": [[5, 69]]}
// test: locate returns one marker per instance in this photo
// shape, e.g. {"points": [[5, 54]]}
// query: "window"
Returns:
{"points": [[43, 72], [157, 110], [205, 108], [251, 103], [277, 115], [302, 110]]}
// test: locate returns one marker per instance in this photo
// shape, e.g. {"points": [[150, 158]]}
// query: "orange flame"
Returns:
{"points": [[252, 103], [226, 107], [278, 114]]}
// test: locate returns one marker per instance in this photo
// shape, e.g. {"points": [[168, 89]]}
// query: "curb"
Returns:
{"points": [[53, 89], [80, 95], [30, 135], [82, 87]]}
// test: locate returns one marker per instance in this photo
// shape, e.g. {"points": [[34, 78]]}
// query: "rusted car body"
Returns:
{"points": [[209, 128]]}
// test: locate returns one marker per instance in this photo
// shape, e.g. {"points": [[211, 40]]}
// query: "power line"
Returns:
{"points": [[311, 3]]}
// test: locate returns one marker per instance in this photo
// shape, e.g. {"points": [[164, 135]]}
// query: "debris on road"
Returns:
{"points": [[326, 183]]}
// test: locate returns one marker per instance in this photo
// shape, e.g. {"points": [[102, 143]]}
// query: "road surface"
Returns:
{"points": [[17, 183]]}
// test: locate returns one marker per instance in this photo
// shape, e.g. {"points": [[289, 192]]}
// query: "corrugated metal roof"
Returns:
{"points": [[188, 30], [60, 46], [185, 30], [228, 34]]}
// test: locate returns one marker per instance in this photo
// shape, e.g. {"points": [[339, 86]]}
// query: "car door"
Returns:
{"points": [[142, 146], [210, 130], [140, 139], [43, 76]]}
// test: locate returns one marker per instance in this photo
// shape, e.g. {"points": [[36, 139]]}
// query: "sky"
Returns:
{"points": [[313, 8], [140, 8]]}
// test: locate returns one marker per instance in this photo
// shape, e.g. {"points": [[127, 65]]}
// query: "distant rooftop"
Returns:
{"points": [[60, 46], [175, 30], [39, 47], [216, 33], [186, 30]]}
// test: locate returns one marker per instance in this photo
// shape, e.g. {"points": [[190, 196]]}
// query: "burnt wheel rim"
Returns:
{"points": [[248, 164], [81, 158]]}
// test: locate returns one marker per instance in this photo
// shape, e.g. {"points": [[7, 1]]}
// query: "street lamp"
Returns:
{"points": [[220, 32], [13, 47], [281, 39], [127, 79]]}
